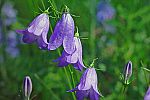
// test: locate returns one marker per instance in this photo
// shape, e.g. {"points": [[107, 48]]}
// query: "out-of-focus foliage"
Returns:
{"points": [[130, 41]]}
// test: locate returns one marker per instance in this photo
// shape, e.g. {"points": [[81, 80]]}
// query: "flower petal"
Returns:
{"points": [[78, 66], [68, 28], [68, 44], [83, 80], [147, 95], [56, 38], [41, 43], [80, 53], [38, 24], [62, 60], [81, 94], [93, 95]]}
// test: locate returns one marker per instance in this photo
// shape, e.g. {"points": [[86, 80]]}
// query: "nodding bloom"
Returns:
{"points": [[9, 13], [63, 34], [75, 58], [37, 31], [127, 71], [12, 43], [147, 95], [27, 87], [105, 11], [87, 88]]}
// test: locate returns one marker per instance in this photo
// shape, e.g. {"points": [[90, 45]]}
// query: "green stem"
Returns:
{"points": [[43, 4], [144, 73], [42, 82], [74, 98], [71, 72], [59, 53], [145, 77]]}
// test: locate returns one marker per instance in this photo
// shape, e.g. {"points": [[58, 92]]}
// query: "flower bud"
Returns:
{"points": [[27, 87]]}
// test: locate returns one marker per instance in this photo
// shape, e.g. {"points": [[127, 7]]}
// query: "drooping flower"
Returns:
{"points": [[11, 44], [37, 31], [87, 88], [105, 11], [147, 95], [75, 58], [127, 71], [9, 13], [63, 34], [27, 87]]}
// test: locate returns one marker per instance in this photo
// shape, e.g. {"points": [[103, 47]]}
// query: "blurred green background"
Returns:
{"points": [[130, 41]]}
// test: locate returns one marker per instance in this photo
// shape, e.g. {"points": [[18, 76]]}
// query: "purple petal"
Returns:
{"points": [[73, 58], [90, 79], [80, 53], [128, 70], [81, 94], [62, 60], [83, 80], [27, 36], [78, 66], [41, 43], [93, 95], [73, 90], [27, 86], [37, 31], [39, 24], [105, 11], [147, 95], [56, 38], [68, 42]]}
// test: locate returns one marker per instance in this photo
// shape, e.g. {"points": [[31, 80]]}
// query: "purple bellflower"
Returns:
{"points": [[37, 31], [12, 43], [105, 11], [147, 95], [75, 58], [87, 88], [27, 87], [9, 13], [127, 72], [63, 34]]}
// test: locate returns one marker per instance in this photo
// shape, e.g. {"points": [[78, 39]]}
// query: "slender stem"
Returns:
{"points": [[144, 73], [71, 72], [74, 98], [41, 81], [43, 4], [65, 70], [145, 77]]}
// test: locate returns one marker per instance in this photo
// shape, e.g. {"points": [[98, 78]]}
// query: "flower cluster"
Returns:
{"points": [[8, 38], [63, 35]]}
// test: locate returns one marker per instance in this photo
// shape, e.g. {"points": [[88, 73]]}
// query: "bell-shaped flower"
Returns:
{"points": [[105, 11], [37, 31], [75, 58], [63, 34], [87, 88], [127, 72], [147, 95], [27, 87]]}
